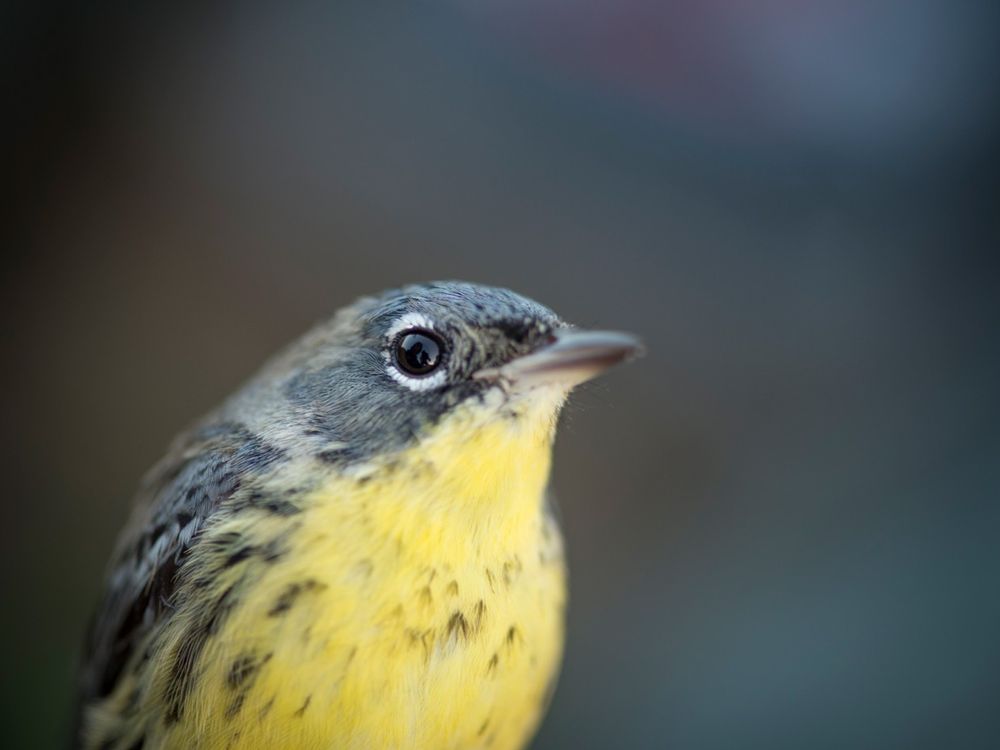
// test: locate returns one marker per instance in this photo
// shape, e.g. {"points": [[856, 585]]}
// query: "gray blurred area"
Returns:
{"points": [[783, 523]]}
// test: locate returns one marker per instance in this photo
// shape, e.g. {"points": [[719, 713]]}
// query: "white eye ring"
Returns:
{"points": [[405, 323]]}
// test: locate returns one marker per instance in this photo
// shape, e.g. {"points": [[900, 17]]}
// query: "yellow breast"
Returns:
{"points": [[417, 603]]}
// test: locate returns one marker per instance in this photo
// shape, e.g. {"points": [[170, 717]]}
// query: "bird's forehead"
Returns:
{"points": [[461, 305]]}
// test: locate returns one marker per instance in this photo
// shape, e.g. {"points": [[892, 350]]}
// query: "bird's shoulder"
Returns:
{"points": [[177, 499]]}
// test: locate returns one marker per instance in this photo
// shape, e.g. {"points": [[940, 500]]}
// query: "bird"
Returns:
{"points": [[357, 549]]}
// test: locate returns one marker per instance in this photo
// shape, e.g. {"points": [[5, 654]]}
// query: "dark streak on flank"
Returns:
{"points": [[243, 553], [492, 666], [236, 705], [269, 552], [267, 707], [241, 676], [291, 593], [274, 550], [301, 710], [243, 671]]}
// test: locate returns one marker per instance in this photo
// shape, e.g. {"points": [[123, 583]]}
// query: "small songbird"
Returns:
{"points": [[355, 550]]}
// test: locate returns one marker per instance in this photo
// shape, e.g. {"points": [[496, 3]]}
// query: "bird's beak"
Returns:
{"points": [[572, 357]]}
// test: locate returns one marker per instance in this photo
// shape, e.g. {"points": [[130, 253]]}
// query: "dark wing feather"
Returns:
{"points": [[180, 495]]}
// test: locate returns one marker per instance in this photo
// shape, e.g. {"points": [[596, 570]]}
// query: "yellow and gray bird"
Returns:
{"points": [[355, 550]]}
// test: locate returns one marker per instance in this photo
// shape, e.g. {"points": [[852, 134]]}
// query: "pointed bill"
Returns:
{"points": [[573, 357]]}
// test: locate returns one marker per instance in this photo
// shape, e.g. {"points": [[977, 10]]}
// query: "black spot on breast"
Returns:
{"points": [[457, 625], [302, 709], [422, 638], [243, 670], [240, 678], [513, 635], [266, 709], [291, 593]]}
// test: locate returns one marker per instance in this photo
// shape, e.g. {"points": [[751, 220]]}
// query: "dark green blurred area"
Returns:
{"points": [[783, 524]]}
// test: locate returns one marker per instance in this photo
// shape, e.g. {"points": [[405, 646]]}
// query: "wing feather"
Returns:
{"points": [[177, 499]]}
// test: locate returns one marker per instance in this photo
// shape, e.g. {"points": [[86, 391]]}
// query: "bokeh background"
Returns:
{"points": [[783, 524]]}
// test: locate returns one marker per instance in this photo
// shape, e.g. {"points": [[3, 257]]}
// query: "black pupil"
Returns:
{"points": [[418, 353]]}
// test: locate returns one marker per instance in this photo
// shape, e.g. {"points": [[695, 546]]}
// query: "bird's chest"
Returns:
{"points": [[390, 645], [466, 660], [420, 609], [435, 659]]}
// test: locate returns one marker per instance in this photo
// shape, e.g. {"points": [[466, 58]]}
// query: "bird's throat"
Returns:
{"points": [[472, 488]]}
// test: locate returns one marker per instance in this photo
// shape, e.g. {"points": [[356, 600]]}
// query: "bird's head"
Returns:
{"points": [[390, 370]]}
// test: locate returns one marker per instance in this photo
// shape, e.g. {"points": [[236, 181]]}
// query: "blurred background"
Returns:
{"points": [[783, 524]]}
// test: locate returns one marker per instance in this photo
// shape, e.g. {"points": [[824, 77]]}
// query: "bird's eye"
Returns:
{"points": [[419, 352]]}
